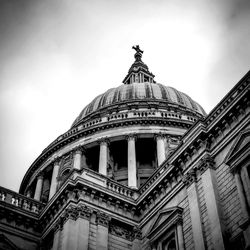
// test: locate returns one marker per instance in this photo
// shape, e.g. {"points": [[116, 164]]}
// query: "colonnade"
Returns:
{"points": [[78, 153]]}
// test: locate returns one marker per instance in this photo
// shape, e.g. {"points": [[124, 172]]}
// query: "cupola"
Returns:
{"points": [[138, 72]]}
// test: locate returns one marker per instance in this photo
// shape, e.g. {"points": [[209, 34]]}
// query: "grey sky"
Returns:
{"points": [[57, 55]]}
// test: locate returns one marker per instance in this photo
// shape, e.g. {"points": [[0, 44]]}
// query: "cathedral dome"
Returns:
{"points": [[141, 119], [137, 92]]}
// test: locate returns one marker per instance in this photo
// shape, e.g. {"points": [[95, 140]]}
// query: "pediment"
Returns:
{"points": [[240, 149], [6, 244], [165, 219]]}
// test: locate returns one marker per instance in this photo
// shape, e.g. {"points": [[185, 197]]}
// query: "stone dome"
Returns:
{"points": [[137, 92]]}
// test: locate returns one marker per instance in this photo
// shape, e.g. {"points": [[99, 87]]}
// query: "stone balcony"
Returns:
{"points": [[22, 202]]}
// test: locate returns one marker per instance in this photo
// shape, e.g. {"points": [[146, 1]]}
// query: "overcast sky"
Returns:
{"points": [[57, 55]]}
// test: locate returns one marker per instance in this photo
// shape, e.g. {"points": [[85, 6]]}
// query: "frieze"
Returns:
{"points": [[121, 232]]}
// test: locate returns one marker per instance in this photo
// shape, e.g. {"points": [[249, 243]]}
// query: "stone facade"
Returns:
{"points": [[138, 174]]}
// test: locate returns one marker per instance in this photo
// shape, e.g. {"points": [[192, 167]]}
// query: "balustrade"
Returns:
{"points": [[115, 187], [21, 201]]}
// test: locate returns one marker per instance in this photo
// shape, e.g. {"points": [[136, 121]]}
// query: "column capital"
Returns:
{"points": [[159, 136], [206, 162], [102, 219], [70, 213], [40, 175], [79, 149], [57, 160], [103, 141], [131, 136], [84, 212], [58, 225], [189, 177], [137, 234]]}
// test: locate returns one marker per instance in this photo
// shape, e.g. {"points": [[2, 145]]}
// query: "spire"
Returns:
{"points": [[138, 71]]}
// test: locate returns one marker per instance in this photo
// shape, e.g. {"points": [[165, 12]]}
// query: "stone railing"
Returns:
{"points": [[104, 181], [21, 201], [120, 189]]}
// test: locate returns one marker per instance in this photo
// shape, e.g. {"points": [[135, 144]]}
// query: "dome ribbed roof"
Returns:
{"points": [[140, 91]]}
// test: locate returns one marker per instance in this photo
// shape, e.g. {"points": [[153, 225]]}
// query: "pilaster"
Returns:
{"points": [[102, 221], [195, 214], [136, 245], [210, 188]]}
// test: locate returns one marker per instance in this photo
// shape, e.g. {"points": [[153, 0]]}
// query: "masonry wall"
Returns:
{"points": [[230, 203]]}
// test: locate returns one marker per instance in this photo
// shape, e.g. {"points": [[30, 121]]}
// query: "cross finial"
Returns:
{"points": [[137, 49], [138, 53]]}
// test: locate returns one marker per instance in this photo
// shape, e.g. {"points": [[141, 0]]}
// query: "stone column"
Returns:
{"points": [[102, 231], [131, 162], [103, 158], [84, 159], [209, 184], [39, 186], [160, 149], [195, 214], [77, 158], [54, 183], [180, 237]]}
